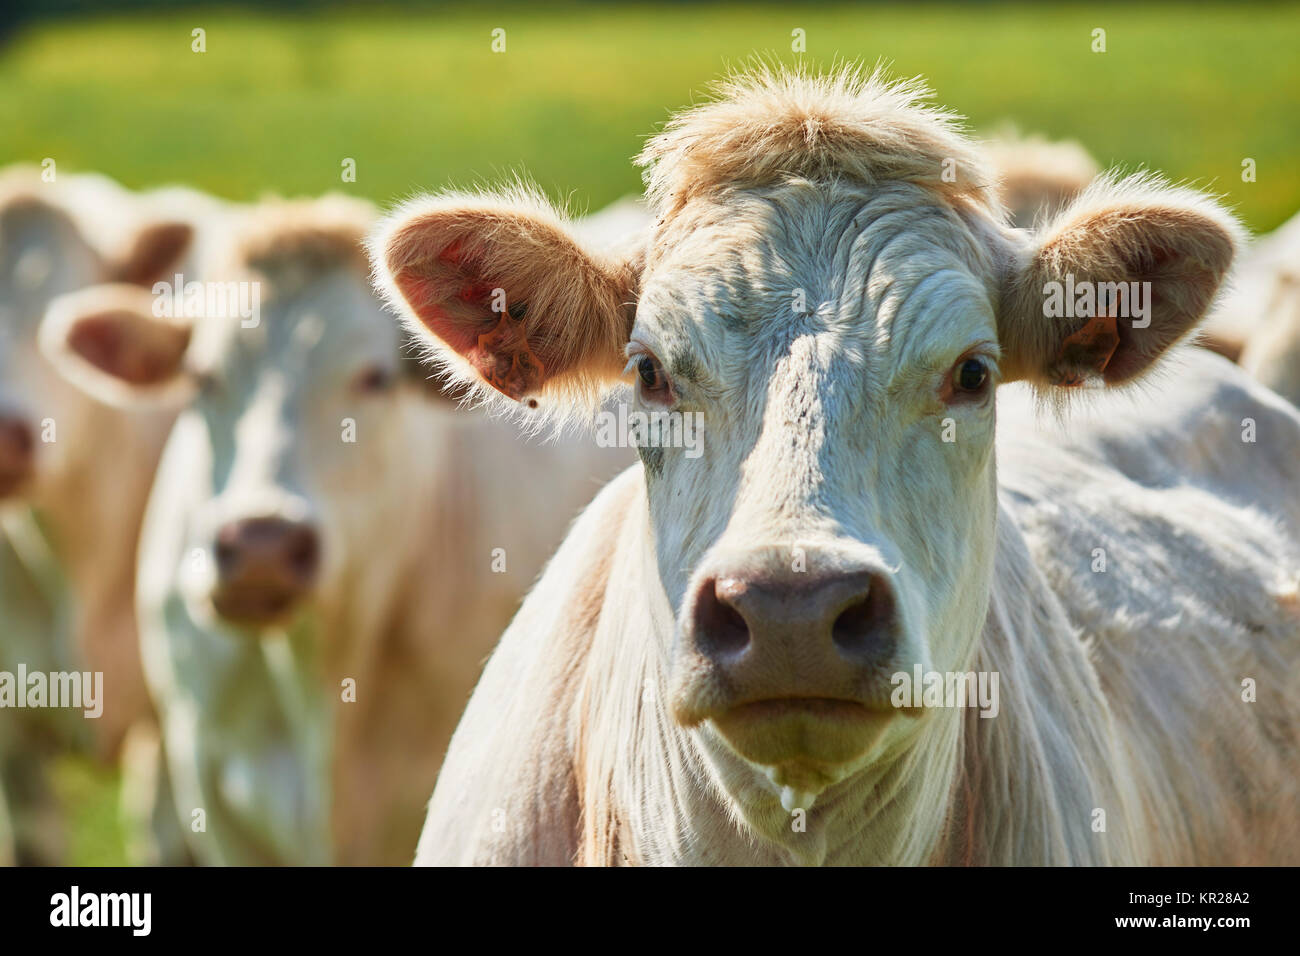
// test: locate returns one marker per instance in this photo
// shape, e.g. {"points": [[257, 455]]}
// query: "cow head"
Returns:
{"points": [[48, 250], [274, 475], [832, 288]]}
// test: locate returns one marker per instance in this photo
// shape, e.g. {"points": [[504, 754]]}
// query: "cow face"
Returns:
{"points": [[837, 312], [292, 426], [281, 476], [840, 350]]}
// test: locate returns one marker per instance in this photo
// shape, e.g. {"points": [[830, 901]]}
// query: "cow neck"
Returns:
{"points": [[1029, 781], [94, 536], [94, 509], [1015, 788]]}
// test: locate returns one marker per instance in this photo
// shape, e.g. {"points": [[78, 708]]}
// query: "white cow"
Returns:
{"points": [[718, 664], [1257, 320], [1269, 281], [73, 472], [330, 552]]}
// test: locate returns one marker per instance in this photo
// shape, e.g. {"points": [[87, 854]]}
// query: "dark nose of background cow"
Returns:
{"points": [[17, 448], [796, 634], [264, 565]]}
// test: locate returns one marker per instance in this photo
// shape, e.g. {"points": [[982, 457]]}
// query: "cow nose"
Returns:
{"points": [[784, 635], [264, 567], [17, 448]]}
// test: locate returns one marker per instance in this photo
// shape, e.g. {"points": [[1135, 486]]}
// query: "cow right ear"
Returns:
{"points": [[107, 341], [507, 296]]}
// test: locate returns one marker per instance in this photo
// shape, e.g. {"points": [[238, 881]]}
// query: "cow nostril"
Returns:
{"points": [[268, 549], [866, 627], [719, 626], [226, 550], [304, 552]]}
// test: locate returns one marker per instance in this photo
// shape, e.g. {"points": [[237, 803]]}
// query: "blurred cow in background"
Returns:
{"points": [[74, 473], [1037, 176], [330, 551], [1258, 321]]}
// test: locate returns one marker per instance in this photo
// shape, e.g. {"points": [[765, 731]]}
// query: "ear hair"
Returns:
{"points": [[442, 262], [1137, 229]]}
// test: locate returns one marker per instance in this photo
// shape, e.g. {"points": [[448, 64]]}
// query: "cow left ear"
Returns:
{"points": [[507, 296], [107, 341], [1120, 276], [155, 252]]}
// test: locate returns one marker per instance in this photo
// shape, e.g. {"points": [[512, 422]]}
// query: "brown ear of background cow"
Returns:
{"points": [[156, 251]]}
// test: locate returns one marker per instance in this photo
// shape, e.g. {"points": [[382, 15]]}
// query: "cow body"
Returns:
{"points": [[714, 658], [1104, 679], [1270, 287]]}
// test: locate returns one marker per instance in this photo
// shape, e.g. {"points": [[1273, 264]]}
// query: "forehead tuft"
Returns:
{"points": [[291, 242], [771, 123]]}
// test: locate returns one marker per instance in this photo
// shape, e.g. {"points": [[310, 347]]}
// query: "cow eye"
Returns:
{"points": [[970, 375], [652, 380], [375, 379]]}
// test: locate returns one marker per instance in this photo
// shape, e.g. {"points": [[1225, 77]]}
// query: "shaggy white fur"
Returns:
{"points": [[812, 286]]}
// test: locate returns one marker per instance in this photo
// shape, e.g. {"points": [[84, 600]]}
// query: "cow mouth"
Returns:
{"points": [[253, 606], [804, 741]]}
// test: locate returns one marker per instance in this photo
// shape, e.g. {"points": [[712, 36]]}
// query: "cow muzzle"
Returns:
{"points": [[792, 667], [17, 455], [265, 568]]}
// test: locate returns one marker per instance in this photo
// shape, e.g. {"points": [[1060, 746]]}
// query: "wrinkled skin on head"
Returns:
{"points": [[820, 425]]}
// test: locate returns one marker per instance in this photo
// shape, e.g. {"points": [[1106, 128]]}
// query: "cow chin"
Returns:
{"points": [[255, 609], [804, 744]]}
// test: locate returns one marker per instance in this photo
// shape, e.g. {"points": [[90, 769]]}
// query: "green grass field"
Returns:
{"points": [[420, 100]]}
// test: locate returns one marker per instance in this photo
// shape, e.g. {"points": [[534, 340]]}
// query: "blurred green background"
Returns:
{"points": [[418, 99]]}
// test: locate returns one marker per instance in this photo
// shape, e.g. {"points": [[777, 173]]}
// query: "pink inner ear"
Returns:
{"points": [[476, 294], [99, 342], [137, 357], [506, 361], [460, 335], [495, 346], [454, 253]]}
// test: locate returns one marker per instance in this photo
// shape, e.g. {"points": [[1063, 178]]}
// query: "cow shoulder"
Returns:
{"points": [[1163, 527], [521, 806]]}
